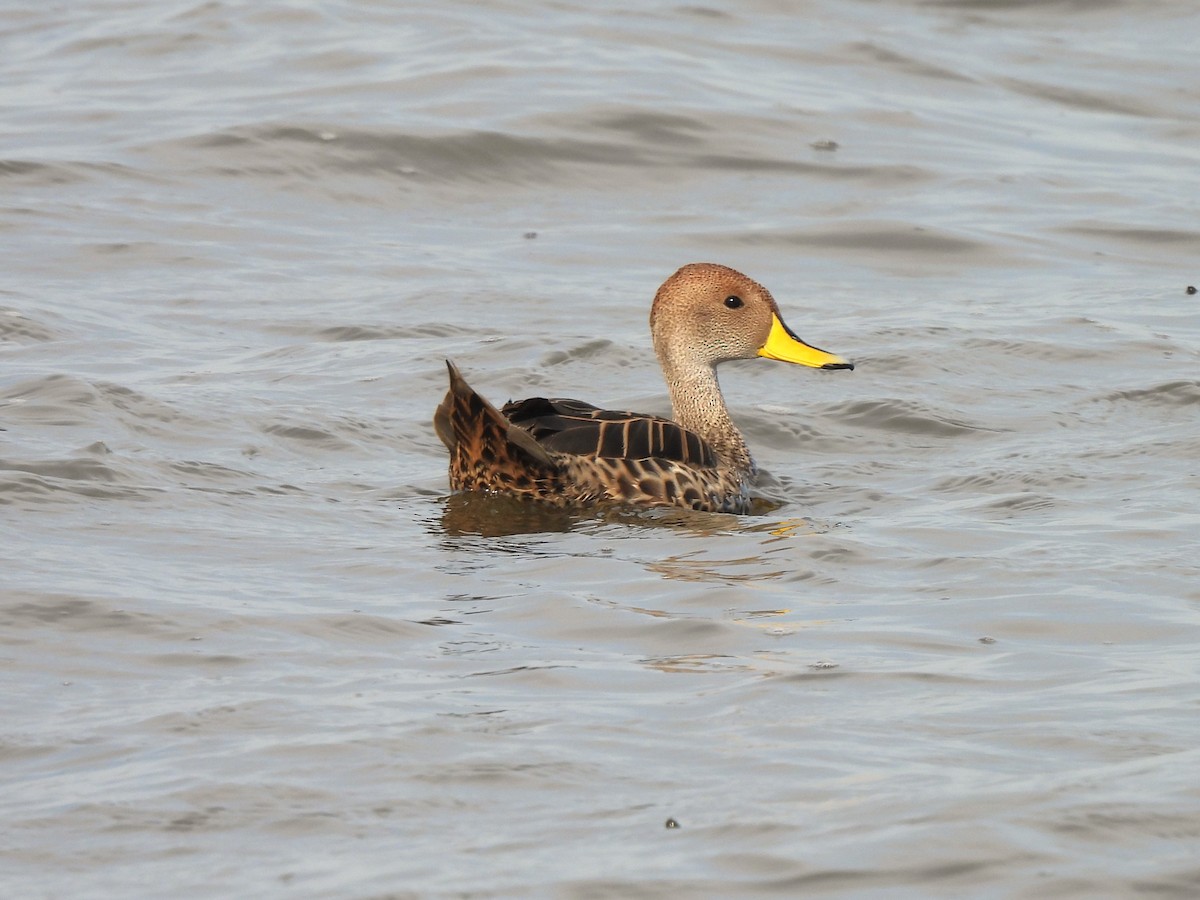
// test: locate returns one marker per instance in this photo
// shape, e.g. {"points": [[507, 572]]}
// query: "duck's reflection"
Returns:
{"points": [[497, 515]]}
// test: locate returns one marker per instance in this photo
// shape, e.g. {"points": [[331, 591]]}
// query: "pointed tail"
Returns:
{"points": [[486, 450]]}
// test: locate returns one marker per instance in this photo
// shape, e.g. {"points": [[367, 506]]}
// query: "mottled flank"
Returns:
{"points": [[566, 452]]}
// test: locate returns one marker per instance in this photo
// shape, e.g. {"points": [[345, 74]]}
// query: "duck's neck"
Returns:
{"points": [[700, 407]]}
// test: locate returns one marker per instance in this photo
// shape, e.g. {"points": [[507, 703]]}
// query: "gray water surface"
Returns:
{"points": [[249, 646]]}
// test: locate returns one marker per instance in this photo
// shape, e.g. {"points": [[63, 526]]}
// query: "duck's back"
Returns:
{"points": [[569, 452], [572, 426], [630, 457]]}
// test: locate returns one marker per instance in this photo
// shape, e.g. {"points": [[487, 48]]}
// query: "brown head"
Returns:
{"points": [[705, 314]]}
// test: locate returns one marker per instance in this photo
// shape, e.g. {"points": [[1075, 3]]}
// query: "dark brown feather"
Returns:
{"points": [[488, 452], [572, 426]]}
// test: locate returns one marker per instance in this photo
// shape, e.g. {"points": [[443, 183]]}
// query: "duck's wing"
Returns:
{"points": [[575, 427]]}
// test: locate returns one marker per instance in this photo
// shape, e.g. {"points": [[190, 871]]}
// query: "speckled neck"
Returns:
{"points": [[699, 406]]}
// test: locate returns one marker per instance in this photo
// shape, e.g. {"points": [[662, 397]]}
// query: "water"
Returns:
{"points": [[249, 645]]}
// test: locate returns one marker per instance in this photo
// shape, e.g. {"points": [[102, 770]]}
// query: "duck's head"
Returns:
{"points": [[705, 314]]}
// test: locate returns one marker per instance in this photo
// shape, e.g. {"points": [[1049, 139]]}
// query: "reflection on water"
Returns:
{"points": [[494, 515], [787, 528], [497, 515], [696, 663], [697, 566]]}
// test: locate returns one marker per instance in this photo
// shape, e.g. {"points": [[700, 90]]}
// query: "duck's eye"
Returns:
{"points": [[734, 302]]}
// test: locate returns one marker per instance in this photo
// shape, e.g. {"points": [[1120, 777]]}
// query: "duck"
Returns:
{"points": [[570, 453]]}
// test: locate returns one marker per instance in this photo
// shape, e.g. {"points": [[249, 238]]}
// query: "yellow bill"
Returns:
{"points": [[783, 345]]}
